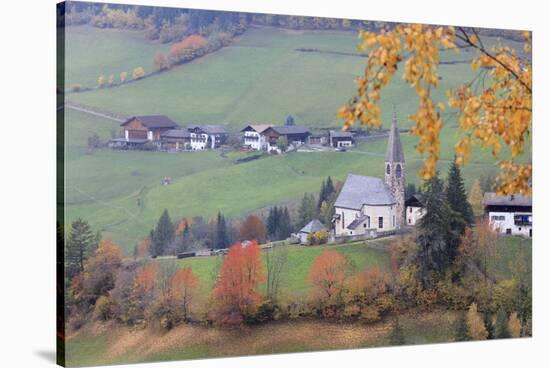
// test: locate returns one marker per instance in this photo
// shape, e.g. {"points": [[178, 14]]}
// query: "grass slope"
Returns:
{"points": [[262, 78], [91, 51]]}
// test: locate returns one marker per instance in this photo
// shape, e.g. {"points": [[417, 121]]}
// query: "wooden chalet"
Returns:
{"points": [[296, 135], [146, 127], [339, 139], [176, 140]]}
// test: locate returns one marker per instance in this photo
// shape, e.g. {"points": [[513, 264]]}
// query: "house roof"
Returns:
{"points": [[176, 133], [359, 190], [394, 150], [291, 129], [209, 129], [313, 226], [153, 121], [415, 200], [492, 199], [358, 221], [257, 127], [340, 134]]}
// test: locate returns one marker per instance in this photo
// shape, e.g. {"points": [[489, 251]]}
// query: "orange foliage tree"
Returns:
{"points": [[142, 293], [253, 228], [184, 285], [236, 292], [187, 48], [328, 274], [497, 113]]}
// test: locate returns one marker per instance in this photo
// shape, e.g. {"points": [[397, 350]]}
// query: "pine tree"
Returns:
{"points": [[329, 188], [475, 198], [322, 194], [307, 210], [163, 235], [284, 228], [397, 337], [456, 196], [222, 237], [437, 240], [461, 328], [81, 244], [289, 120], [501, 325], [410, 189]]}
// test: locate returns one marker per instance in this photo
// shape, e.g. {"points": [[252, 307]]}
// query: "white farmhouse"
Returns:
{"points": [[206, 136], [252, 136], [414, 209], [368, 205], [510, 214]]}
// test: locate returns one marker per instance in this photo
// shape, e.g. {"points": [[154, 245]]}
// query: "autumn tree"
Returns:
{"points": [[101, 81], [236, 292], [476, 327], [142, 294], [81, 244], [99, 275], [253, 228], [184, 286], [138, 73], [123, 76], [498, 112], [327, 276], [514, 325], [479, 246], [475, 198]]}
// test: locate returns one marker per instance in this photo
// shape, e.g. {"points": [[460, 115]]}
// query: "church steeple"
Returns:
{"points": [[394, 151], [394, 174]]}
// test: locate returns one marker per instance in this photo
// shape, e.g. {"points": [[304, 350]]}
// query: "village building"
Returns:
{"points": [[340, 139], [414, 209], [512, 214], [207, 136], [175, 140], [296, 136], [252, 136], [368, 206], [140, 129], [312, 227]]}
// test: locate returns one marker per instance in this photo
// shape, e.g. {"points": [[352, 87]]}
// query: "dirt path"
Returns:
{"points": [[88, 110]]}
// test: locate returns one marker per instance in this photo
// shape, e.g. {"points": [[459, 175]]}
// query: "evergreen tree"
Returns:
{"points": [[322, 194], [457, 198], [307, 210], [284, 228], [81, 244], [163, 235], [397, 337], [501, 325], [329, 187], [461, 328], [222, 240], [289, 120], [437, 240]]}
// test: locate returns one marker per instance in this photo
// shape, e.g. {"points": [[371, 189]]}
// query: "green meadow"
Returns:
{"points": [[259, 78], [90, 51]]}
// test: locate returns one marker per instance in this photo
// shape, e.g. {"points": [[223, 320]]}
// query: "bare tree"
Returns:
{"points": [[276, 258]]}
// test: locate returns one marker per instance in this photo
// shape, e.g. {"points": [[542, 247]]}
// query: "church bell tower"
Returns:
{"points": [[394, 171]]}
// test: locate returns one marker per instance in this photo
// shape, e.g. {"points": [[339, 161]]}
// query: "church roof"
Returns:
{"points": [[358, 221], [313, 226], [394, 150], [359, 190]]}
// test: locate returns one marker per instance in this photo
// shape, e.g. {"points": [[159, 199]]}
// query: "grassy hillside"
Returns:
{"points": [[90, 51], [261, 77]]}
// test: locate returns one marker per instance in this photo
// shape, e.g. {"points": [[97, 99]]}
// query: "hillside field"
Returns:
{"points": [[260, 77]]}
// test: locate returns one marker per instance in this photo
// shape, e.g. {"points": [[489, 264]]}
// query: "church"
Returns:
{"points": [[367, 205]]}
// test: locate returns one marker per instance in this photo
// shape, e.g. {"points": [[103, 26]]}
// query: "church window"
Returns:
{"points": [[368, 222], [387, 168], [398, 171], [380, 222]]}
